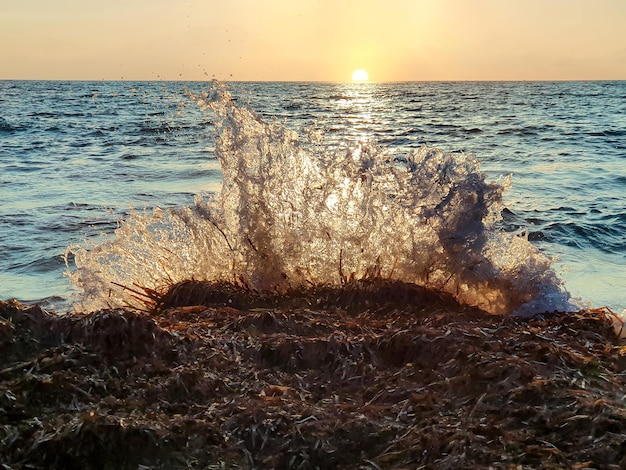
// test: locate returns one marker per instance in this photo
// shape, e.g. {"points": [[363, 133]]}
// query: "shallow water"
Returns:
{"points": [[75, 156]]}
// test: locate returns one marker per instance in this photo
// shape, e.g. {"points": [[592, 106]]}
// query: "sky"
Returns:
{"points": [[313, 40]]}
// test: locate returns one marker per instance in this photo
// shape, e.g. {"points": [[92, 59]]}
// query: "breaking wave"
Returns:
{"points": [[295, 211]]}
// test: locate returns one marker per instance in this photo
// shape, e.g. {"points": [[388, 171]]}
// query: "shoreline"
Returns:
{"points": [[379, 379]]}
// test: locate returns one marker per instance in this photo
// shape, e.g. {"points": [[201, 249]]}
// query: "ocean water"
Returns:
{"points": [[279, 184]]}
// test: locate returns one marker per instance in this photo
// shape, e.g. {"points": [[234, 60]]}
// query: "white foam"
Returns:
{"points": [[293, 211]]}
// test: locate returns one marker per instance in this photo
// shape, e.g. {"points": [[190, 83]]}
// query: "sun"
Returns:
{"points": [[360, 75]]}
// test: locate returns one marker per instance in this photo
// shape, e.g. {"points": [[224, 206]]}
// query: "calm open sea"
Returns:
{"points": [[76, 156]]}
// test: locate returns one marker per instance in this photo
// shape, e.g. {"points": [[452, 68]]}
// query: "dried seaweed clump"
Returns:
{"points": [[367, 377]]}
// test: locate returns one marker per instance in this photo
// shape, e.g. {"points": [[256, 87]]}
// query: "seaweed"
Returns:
{"points": [[366, 375]]}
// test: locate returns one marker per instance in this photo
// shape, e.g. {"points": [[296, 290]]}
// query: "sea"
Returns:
{"points": [[508, 195]]}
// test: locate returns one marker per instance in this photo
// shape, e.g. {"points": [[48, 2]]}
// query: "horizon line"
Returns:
{"points": [[364, 82]]}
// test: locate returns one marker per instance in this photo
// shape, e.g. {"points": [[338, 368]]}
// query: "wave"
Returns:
{"points": [[5, 126], [295, 211]]}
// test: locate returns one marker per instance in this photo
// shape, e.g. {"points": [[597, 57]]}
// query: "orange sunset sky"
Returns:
{"points": [[313, 40]]}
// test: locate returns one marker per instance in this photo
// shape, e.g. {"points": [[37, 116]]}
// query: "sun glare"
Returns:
{"points": [[360, 75]]}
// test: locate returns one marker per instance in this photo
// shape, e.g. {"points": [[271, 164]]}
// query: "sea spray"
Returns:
{"points": [[294, 211]]}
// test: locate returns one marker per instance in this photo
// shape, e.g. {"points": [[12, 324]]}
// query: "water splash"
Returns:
{"points": [[294, 211]]}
